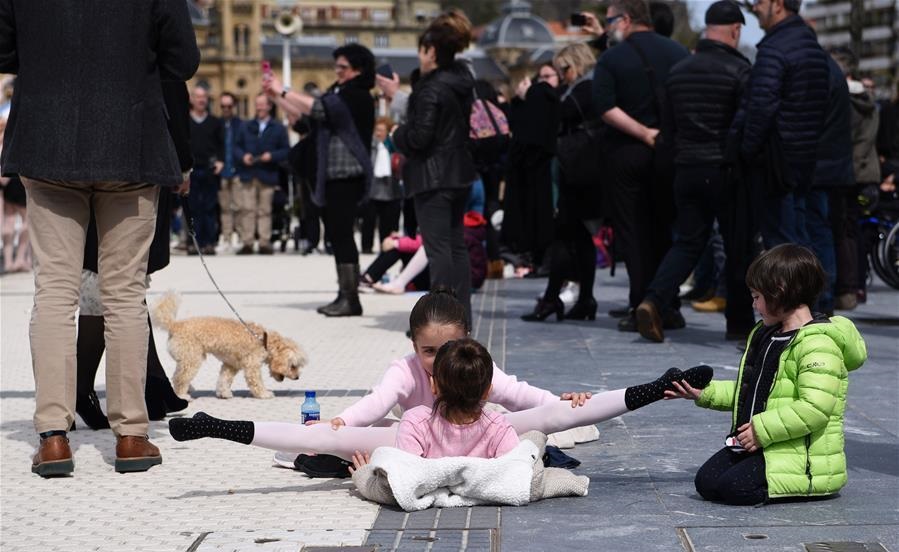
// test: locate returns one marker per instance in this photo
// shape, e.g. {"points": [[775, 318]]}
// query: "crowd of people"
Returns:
{"points": [[628, 131]]}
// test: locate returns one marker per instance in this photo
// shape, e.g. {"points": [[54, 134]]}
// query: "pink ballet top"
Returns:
{"points": [[431, 436], [405, 383]]}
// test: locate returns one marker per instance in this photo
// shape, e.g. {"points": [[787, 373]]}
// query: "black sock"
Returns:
{"points": [[203, 425], [48, 434], [641, 395]]}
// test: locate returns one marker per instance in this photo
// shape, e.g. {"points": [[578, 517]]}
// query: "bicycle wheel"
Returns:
{"points": [[887, 257]]}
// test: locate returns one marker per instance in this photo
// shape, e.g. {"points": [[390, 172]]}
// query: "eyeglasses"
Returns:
{"points": [[564, 69], [227, 106], [614, 19]]}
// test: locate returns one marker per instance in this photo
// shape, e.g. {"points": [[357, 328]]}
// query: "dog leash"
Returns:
{"points": [[189, 220]]}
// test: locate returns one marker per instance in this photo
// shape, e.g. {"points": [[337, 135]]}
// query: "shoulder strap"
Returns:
{"points": [[650, 74]]}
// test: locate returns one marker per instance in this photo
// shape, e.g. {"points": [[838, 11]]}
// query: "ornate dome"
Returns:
{"points": [[517, 28]]}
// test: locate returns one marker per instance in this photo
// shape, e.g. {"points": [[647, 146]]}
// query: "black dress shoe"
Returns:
{"points": [[673, 320], [582, 310], [628, 323], [245, 250], [697, 294], [620, 312], [322, 465], [545, 309]]}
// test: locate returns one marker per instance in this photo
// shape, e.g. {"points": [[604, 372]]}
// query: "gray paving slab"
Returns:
{"points": [[641, 470], [220, 496]]}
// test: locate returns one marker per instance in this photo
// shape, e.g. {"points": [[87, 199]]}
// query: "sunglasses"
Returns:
{"points": [[564, 69], [227, 106], [612, 20]]}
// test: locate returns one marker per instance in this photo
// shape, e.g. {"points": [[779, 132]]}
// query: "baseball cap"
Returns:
{"points": [[724, 12]]}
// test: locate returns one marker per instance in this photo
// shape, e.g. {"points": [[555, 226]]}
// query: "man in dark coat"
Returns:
{"points": [[626, 83], [88, 128], [260, 146], [206, 145], [704, 91], [783, 113]]}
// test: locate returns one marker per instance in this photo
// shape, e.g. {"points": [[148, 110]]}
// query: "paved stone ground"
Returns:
{"points": [[216, 495]]}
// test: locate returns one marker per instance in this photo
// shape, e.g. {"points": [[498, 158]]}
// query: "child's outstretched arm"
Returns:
{"points": [[396, 384]]}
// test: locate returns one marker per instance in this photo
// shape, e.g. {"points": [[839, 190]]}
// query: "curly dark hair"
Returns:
{"points": [[361, 59]]}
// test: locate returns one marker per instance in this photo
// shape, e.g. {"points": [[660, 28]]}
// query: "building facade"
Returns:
{"points": [[879, 57], [235, 36]]}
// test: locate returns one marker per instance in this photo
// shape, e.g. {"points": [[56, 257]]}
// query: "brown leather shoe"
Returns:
{"points": [[649, 322], [135, 453], [54, 457]]}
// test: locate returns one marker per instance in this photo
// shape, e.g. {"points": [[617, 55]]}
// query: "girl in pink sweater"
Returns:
{"points": [[457, 424], [436, 319]]}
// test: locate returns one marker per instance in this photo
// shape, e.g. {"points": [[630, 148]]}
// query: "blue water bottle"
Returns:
{"points": [[310, 410]]}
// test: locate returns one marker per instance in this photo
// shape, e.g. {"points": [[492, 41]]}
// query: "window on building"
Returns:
{"points": [[241, 40], [350, 38], [308, 14], [350, 14], [380, 15], [382, 40]]}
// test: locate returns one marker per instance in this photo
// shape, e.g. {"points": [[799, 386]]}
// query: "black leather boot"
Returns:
{"points": [[544, 309], [584, 309], [88, 407], [347, 303]]}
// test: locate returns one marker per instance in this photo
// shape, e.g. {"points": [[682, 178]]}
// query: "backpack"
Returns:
{"points": [[489, 137]]}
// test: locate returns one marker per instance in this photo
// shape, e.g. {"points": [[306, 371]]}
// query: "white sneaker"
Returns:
{"points": [[284, 459], [570, 293]]}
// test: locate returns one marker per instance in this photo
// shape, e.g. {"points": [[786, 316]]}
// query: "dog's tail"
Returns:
{"points": [[165, 310]]}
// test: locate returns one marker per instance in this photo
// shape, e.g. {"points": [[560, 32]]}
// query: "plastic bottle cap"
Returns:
{"points": [[310, 394]]}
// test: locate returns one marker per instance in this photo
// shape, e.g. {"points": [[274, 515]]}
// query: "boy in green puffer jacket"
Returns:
{"points": [[788, 401]]}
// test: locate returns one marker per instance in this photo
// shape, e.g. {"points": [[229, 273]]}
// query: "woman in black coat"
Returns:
{"points": [[528, 205], [439, 170], [342, 123], [578, 210]]}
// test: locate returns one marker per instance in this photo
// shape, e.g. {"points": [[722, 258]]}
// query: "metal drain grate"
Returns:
{"points": [[435, 540], [844, 547], [437, 530], [340, 549]]}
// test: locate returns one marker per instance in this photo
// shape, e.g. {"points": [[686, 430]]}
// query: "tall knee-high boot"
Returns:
{"points": [[347, 303], [158, 393], [89, 350]]}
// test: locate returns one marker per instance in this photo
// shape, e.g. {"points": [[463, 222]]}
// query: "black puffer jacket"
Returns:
{"points": [[704, 92], [834, 166], [436, 132], [787, 93]]}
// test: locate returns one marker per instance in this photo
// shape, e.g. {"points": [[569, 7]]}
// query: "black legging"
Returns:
{"points": [[387, 216], [736, 478], [342, 197], [440, 215], [572, 257]]}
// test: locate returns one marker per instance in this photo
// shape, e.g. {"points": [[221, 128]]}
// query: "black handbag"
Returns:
{"points": [[489, 150], [578, 153]]}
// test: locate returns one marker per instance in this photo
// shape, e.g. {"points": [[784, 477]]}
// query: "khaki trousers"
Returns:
{"points": [[228, 202], [58, 215], [255, 212]]}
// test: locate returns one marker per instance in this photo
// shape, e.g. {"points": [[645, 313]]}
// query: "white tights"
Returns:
{"points": [[321, 439]]}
